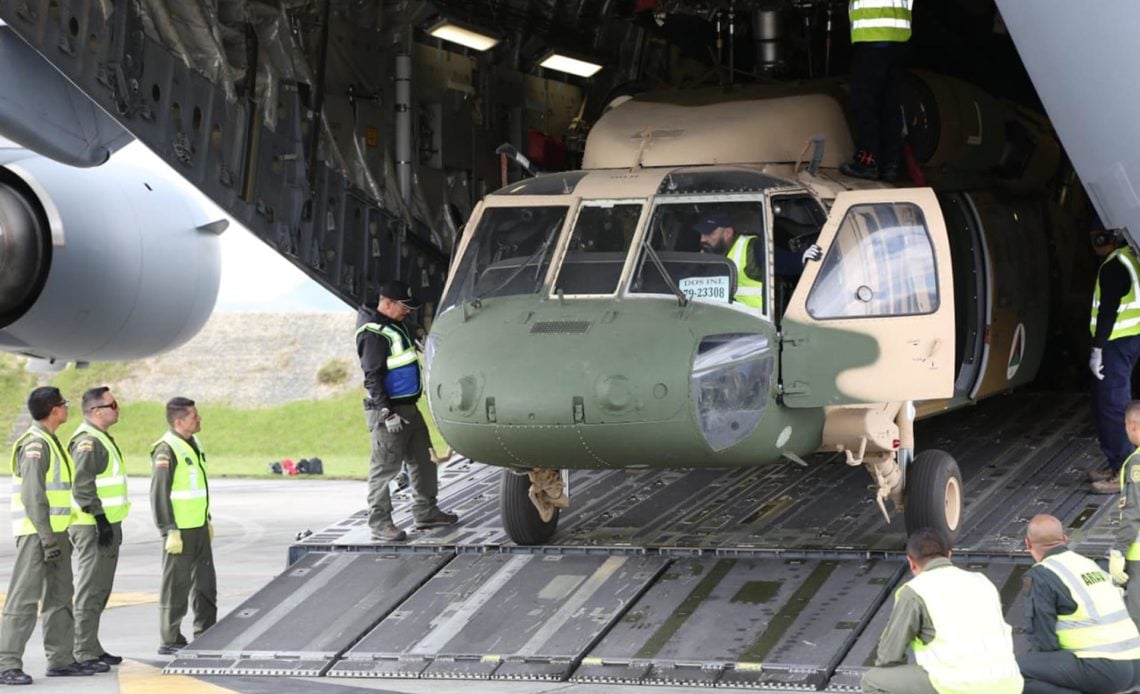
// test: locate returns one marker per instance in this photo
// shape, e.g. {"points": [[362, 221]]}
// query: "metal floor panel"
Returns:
{"points": [[771, 623], [305, 618], [502, 616]]}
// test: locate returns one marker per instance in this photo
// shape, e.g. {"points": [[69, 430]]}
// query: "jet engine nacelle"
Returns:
{"points": [[103, 264]]}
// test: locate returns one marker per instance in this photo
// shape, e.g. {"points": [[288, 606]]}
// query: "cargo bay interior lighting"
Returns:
{"points": [[463, 34], [557, 60]]}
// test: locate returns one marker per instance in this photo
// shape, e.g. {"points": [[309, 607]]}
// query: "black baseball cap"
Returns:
{"points": [[400, 292], [708, 223]]}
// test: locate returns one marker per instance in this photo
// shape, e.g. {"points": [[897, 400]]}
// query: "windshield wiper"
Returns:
{"points": [[478, 300], [681, 298]]}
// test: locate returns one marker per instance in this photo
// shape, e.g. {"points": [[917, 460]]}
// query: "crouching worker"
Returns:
{"points": [[953, 621], [1081, 636]]}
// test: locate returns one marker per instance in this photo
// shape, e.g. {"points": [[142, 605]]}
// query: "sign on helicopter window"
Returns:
{"points": [[714, 289]]}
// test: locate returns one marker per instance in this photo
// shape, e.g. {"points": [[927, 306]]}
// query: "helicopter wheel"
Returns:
{"points": [[520, 518], [934, 494]]}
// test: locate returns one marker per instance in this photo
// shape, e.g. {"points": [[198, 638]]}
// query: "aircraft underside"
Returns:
{"points": [[778, 577]]}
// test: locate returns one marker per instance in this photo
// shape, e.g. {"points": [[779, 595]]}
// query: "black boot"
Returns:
{"points": [[862, 165]]}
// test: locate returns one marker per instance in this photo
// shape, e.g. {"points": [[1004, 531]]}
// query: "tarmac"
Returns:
{"points": [[255, 521]]}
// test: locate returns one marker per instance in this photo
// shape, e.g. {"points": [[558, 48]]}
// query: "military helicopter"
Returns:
{"points": [[582, 327]]}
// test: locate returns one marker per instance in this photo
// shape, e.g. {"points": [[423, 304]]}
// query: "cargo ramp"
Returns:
{"points": [[778, 577]]}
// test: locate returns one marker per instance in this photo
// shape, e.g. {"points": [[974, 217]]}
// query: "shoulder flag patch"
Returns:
{"points": [[162, 461], [86, 445]]}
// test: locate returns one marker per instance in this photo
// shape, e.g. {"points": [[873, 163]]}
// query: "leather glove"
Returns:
{"points": [[393, 422], [52, 552], [104, 530], [1116, 567], [1096, 364], [210, 530], [812, 252], [174, 542]]}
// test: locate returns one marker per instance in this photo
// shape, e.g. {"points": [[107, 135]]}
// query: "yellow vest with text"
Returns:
{"points": [[1127, 321], [972, 650], [57, 483], [189, 491], [1100, 627], [1133, 551], [749, 292], [880, 20], [110, 485]]}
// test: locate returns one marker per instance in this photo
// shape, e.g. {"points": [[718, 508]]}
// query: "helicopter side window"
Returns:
{"points": [[509, 253], [598, 247], [881, 263]]}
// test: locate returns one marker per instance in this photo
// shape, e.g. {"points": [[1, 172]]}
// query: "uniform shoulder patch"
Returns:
{"points": [[1134, 473], [33, 450], [85, 445]]}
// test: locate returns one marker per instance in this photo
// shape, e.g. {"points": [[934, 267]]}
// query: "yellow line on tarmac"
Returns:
{"points": [[117, 599], [138, 678]]}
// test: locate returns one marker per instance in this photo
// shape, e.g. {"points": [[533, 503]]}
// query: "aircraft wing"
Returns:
{"points": [[1080, 56]]}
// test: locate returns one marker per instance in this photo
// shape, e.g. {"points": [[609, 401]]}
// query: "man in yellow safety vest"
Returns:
{"points": [[41, 571], [180, 500], [99, 493], [1080, 634], [880, 30], [1115, 328], [952, 620]]}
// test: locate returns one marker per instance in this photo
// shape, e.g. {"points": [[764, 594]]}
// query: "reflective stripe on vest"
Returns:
{"points": [[402, 379], [189, 491], [110, 485], [1127, 321], [880, 20], [749, 292], [1100, 627], [57, 483], [972, 650]]}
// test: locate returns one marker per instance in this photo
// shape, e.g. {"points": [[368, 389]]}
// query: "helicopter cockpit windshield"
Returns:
{"points": [[509, 253]]}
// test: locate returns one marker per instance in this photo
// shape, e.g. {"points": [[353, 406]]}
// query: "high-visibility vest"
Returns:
{"points": [[402, 379], [749, 292], [57, 483], [1127, 321], [880, 20], [1133, 552], [110, 485], [972, 650], [189, 491], [1100, 627]]}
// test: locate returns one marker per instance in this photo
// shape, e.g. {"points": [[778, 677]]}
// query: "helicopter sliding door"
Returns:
{"points": [[873, 320]]}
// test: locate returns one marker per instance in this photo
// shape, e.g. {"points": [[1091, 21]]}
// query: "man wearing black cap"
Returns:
{"points": [[394, 383]]}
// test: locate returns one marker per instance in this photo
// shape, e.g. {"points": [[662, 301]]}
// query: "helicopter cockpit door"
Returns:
{"points": [[873, 320]]}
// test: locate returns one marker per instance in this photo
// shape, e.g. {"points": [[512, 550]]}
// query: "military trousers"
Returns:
{"points": [[1111, 396], [389, 451], [188, 578], [33, 580], [94, 578], [897, 679], [1061, 672]]}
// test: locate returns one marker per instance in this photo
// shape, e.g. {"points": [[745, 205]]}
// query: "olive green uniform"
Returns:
{"points": [[33, 577], [94, 565], [1128, 531], [189, 575], [909, 620]]}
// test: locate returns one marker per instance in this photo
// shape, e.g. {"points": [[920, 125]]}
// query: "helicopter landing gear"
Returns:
{"points": [[529, 504]]}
